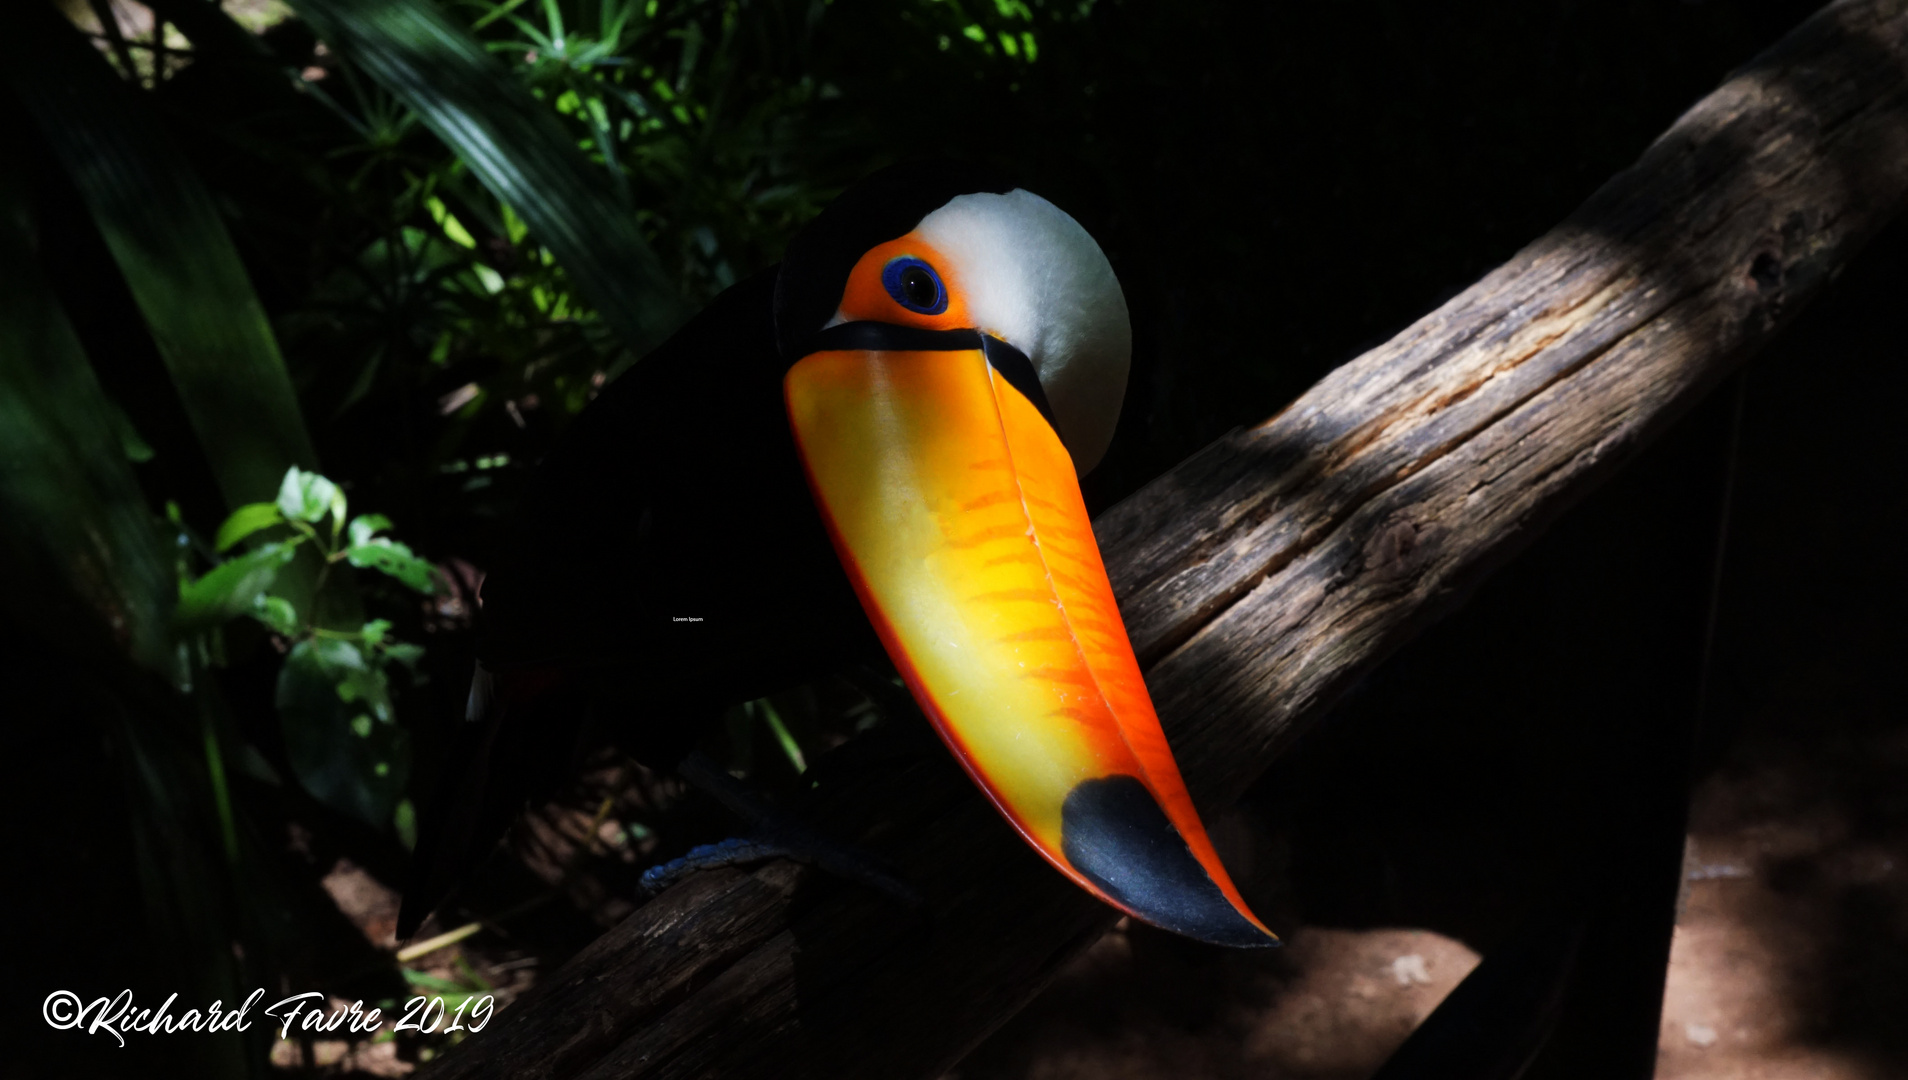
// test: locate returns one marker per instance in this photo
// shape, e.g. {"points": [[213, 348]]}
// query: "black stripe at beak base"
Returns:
{"points": [[871, 336], [1014, 366]]}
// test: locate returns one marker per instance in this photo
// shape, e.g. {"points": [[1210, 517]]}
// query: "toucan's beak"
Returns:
{"points": [[953, 506]]}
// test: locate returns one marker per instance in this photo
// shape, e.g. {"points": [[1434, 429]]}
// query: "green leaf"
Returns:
{"points": [[307, 496], [245, 521], [387, 556], [138, 451], [357, 679], [375, 631], [277, 614], [232, 588], [166, 235], [80, 559], [404, 820], [790, 748], [514, 145], [364, 526], [321, 697]]}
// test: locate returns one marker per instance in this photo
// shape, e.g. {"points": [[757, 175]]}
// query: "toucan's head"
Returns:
{"points": [[957, 353], [943, 246]]}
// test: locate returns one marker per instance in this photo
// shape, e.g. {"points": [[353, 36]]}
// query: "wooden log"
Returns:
{"points": [[1265, 574]]}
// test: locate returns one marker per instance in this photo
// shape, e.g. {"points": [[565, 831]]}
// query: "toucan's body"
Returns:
{"points": [[666, 564], [669, 555], [872, 447]]}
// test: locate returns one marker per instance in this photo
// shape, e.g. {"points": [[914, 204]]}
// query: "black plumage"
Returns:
{"points": [[668, 561]]}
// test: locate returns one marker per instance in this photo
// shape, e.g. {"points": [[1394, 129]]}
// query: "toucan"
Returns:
{"points": [[874, 445]]}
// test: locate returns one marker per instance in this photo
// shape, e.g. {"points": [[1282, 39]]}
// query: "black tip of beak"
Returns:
{"points": [[1117, 837]]}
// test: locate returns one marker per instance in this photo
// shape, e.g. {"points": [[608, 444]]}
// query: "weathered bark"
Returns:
{"points": [[1265, 574]]}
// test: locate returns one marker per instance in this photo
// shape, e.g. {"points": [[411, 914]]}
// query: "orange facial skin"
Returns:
{"points": [[866, 299], [954, 508]]}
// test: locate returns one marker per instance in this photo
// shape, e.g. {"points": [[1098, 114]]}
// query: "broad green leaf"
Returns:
{"points": [[514, 146], [307, 496], [245, 521], [233, 587], [344, 760], [374, 632], [277, 614], [358, 678], [81, 561], [80, 557], [171, 247], [364, 526], [387, 556]]}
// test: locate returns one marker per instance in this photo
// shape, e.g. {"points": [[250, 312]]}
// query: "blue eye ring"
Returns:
{"points": [[914, 285]]}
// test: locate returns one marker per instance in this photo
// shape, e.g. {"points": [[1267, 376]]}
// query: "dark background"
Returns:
{"points": [[1279, 188]]}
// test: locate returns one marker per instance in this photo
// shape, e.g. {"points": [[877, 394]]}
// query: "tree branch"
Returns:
{"points": [[1264, 575]]}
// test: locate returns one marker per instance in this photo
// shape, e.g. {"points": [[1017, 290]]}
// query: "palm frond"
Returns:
{"points": [[514, 145], [165, 234]]}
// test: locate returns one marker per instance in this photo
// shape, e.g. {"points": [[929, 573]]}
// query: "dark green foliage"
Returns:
{"points": [[90, 565], [171, 246], [333, 693], [340, 733], [232, 588], [415, 254], [513, 145], [383, 554]]}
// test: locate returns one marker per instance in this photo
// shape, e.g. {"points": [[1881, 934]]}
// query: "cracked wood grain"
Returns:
{"points": [[1262, 576]]}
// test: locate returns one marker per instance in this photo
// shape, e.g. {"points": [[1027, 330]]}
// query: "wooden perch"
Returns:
{"points": [[1263, 576]]}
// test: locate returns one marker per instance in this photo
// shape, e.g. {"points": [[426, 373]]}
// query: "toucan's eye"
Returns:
{"points": [[914, 285]]}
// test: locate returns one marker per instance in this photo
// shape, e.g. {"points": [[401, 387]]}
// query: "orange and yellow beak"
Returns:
{"points": [[954, 508]]}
